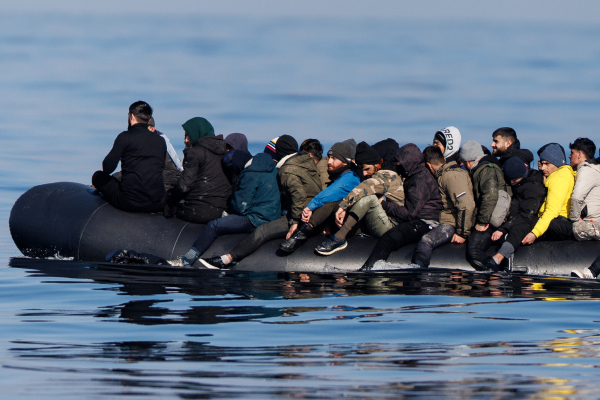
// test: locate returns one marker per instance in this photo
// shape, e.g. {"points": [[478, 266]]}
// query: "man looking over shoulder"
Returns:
{"points": [[506, 145], [142, 155]]}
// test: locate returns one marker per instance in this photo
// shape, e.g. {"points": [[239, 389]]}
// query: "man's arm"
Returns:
{"points": [[114, 155]]}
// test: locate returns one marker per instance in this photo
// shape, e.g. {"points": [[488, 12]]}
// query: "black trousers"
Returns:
{"points": [[111, 190], [198, 213], [479, 242], [400, 235], [560, 228]]}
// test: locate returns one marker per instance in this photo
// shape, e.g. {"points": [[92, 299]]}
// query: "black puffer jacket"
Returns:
{"points": [[423, 200], [527, 198], [515, 150], [202, 180]]}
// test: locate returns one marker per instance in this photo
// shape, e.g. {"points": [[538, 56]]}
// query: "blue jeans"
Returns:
{"points": [[222, 226]]}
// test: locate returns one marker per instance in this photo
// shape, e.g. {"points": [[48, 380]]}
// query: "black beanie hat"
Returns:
{"points": [[365, 154], [341, 151], [285, 146], [439, 135], [514, 168]]}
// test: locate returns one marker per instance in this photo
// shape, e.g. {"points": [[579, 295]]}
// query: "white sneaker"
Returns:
{"points": [[583, 273]]}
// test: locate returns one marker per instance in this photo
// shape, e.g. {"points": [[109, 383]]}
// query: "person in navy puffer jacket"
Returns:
{"points": [[256, 202]]}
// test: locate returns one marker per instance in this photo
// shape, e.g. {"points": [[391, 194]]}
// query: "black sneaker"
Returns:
{"points": [[298, 238], [490, 265], [216, 263], [331, 245]]}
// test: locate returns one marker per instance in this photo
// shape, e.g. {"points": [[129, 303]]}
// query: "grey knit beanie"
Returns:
{"points": [[351, 143], [341, 151], [470, 151]]}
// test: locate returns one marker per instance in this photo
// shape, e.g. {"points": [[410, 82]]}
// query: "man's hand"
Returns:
{"points": [[482, 228], [529, 239], [306, 214], [458, 239], [291, 232], [496, 235], [340, 215]]}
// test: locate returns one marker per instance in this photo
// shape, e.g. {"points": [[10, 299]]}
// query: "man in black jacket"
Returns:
{"points": [[142, 154], [421, 209], [506, 145], [528, 194], [203, 185]]}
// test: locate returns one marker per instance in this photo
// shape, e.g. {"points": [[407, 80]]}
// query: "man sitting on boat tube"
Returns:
{"points": [[553, 223], [363, 203], [142, 155], [343, 177]]}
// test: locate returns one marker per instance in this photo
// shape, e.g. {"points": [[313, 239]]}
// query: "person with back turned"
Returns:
{"points": [[142, 155]]}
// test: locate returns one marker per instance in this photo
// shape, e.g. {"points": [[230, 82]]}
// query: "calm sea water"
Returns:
{"points": [[78, 330]]}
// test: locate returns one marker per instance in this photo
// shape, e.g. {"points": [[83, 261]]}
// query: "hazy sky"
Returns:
{"points": [[582, 11]]}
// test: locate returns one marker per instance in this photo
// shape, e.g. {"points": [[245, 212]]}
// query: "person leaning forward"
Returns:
{"points": [[203, 186], [142, 155]]}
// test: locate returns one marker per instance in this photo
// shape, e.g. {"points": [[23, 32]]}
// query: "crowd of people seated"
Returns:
{"points": [[451, 192]]}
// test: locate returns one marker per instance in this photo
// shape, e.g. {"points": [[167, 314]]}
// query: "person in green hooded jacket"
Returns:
{"points": [[203, 186]]}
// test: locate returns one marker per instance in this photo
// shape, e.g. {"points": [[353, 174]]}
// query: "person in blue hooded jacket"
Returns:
{"points": [[256, 202], [344, 177]]}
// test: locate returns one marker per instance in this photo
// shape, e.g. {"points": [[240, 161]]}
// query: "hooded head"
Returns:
{"points": [[237, 141], [239, 159], [409, 159], [450, 139], [198, 127]]}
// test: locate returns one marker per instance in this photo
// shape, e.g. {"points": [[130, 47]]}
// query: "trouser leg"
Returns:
{"points": [[586, 230], [560, 228], [321, 214], [276, 229], [111, 192], [222, 226], [400, 235], [477, 245], [436, 237], [375, 220], [595, 267], [198, 213]]}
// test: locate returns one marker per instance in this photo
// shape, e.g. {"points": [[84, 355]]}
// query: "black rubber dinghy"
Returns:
{"points": [[70, 220]]}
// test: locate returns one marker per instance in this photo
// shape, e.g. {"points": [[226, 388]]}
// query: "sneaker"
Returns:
{"points": [[298, 239], [582, 273], [216, 263], [179, 262], [331, 246], [489, 265]]}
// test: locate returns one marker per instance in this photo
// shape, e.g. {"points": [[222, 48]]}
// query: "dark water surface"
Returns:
{"points": [[79, 330]]}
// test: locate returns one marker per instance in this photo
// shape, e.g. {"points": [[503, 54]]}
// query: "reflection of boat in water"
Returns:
{"points": [[70, 220], [148, 280]]}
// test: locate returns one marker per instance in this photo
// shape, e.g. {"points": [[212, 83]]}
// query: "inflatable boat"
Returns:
{"points": [[71, 220]]}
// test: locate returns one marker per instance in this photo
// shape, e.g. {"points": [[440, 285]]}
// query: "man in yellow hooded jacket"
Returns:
{"points": [[554, 223]]}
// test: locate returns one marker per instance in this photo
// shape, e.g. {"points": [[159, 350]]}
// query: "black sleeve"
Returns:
{"points": [[191, 165], [114, 155], [415, 200]]}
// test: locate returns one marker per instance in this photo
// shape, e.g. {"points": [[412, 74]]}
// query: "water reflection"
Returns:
{"points": [[152, 279], [194, 369]]}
